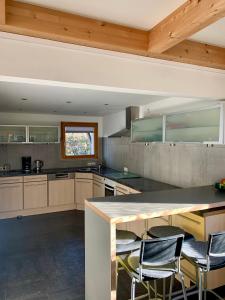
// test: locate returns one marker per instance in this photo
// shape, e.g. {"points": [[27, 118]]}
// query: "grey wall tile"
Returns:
{"points": [[183, 165], [49, 153]]}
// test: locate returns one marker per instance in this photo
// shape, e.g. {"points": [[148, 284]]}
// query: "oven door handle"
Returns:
{"points": [[109, 188]]}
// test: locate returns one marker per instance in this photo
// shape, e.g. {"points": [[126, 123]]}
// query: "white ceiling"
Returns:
{"points": [[52, 100], [142, 14], [213, 34]]}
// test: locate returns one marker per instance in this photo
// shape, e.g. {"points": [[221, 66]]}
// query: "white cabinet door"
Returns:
{"points": [[83, 191], [61, 192], [98, 189], [11, 197], [35, 194]]}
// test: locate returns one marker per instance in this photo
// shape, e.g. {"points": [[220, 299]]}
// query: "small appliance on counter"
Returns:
{"points": [[38, 165], [26, 164]]}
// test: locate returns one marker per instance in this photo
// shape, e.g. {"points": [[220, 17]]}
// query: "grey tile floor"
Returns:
{"points": [[42, 258]]}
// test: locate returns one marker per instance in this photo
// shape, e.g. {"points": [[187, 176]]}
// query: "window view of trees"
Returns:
{"points": [[79, 143], [79, 140]]}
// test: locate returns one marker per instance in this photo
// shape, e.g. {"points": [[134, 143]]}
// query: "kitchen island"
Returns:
{"points": [[102, 215]]}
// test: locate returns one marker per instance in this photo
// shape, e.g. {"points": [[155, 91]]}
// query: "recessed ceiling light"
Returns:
{"points": [[24, 99], [106, 104], [68, 102]]}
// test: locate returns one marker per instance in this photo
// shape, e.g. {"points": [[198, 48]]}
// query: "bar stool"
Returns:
{"points": [[126, 243], [166, 231], [206, 256], [157, 259]]}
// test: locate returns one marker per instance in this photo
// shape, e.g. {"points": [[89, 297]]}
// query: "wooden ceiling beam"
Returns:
{"points": [[2, 11], [36, 21], [188, 19], [40, 22], [196, 53]]}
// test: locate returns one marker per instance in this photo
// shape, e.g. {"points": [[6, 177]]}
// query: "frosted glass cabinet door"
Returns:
{"points": [[43, 134], [147, 130], [12, 134], [198, 126]]}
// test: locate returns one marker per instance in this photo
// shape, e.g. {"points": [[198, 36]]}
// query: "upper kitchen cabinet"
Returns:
{"points": [[43, 134], [147, 130], [12, 134], [28, 134], [197, 126]]}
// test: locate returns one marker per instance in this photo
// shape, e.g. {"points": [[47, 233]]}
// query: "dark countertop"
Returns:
{"points": [[140, 184], [146, 185]]}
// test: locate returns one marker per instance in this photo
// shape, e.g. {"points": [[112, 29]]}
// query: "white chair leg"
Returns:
{"points": [[149, 291], [181, 276], [171, 287], [200, 286], [133, 289]]}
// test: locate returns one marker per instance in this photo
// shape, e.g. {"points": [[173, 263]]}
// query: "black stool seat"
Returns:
{"points": [[166, 231], [126, 242], [196, 252]]}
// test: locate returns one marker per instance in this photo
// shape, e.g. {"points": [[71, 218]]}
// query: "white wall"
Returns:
{"points": [[45, 119], [30, 58], [113, 123]]}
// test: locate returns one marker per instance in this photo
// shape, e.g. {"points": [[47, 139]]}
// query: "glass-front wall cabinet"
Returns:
{"points": [[28, 134], [197, 126], [148, 130], [12, 134], [43, 134]]}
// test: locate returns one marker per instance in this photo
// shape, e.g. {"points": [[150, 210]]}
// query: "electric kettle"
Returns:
{"points": [[38, 164]]}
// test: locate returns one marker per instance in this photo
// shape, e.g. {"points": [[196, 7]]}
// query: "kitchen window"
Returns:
{"points": [[79, 140]]}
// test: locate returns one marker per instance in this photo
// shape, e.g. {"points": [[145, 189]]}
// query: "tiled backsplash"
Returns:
{"points": [[183, 165], [49, 153]]}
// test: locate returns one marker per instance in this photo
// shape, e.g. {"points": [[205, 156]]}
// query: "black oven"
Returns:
{"points": [[109, 190], [110, 187]]}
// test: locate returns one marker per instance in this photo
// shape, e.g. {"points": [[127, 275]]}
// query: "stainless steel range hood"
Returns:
{"points": [[132, 113]]}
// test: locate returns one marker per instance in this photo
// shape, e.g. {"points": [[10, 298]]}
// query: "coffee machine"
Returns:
{"points": [[26, 164]]}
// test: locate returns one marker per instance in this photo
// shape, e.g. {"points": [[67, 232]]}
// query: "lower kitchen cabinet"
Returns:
{"points": [[11, 197], [35, 194], [83, 191], [98, 189], [61, 192]]}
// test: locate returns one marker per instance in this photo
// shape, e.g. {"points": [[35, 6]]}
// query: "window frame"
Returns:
{"points": [[79, 124]]}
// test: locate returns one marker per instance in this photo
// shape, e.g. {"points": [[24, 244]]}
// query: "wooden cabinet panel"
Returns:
{"points": [[122, 189], [79, 175], [35, 194], [83, 191], [35, 178], [98, 178], [15, 179], [191, 223], [98, 189], [11, 197], [61, 192]]}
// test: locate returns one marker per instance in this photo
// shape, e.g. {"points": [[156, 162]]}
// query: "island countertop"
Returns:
{"points": [[132, 207]]}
